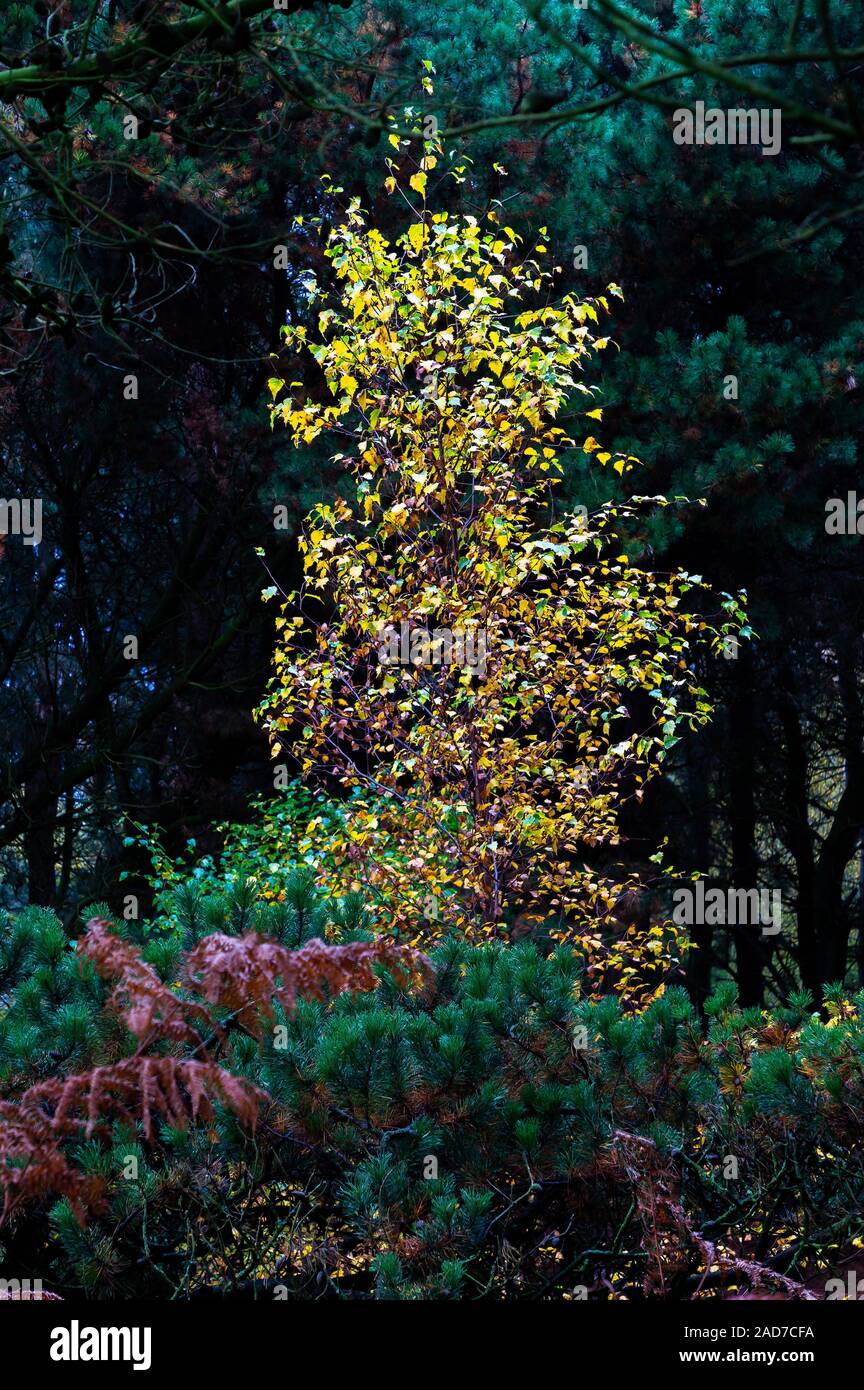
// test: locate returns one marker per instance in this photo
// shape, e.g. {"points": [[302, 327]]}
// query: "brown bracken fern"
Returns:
{"points": [[148, 1007], [32, 1164], [245, 974], [242, 974]]}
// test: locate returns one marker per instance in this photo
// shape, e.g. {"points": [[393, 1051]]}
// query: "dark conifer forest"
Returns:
{"points": [[432, 701]]}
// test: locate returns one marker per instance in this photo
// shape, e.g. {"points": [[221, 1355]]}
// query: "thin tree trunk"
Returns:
{"points": [[841, 841], [39, 843], [699, 960], [800, 842], [67, 852], [748, 953]]}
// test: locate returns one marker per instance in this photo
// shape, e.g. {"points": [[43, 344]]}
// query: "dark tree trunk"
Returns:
{"points": [[799, 838], [39, 844], [699, 960], [841, 841], [742, 813], [67, 853]]}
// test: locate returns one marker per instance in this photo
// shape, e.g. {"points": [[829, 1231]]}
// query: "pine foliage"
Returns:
{"points": [[243, 975], [478, 1126]]}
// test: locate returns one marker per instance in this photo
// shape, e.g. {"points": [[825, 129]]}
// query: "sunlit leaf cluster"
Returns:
{"points": [[455, 387]]}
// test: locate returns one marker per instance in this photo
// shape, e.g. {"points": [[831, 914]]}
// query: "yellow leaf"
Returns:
{"points": [[417, 235], [418, 183]]}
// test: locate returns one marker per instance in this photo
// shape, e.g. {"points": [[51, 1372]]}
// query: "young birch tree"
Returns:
{"points": [[465, 661]]}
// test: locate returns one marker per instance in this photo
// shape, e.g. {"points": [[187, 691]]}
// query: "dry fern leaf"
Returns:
{"points": [[246, 973], [33, 1165], [138, 1088], [77, 1107], [149, 1008]]}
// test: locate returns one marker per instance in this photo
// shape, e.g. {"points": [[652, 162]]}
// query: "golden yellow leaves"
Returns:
{"points": [[418, 235], [478, 794]]}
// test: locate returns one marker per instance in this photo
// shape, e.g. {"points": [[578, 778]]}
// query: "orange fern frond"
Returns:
{"points": [[149, 1008], [32, 1164], [246, 973], [171, 1089], [174, 1089]]}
